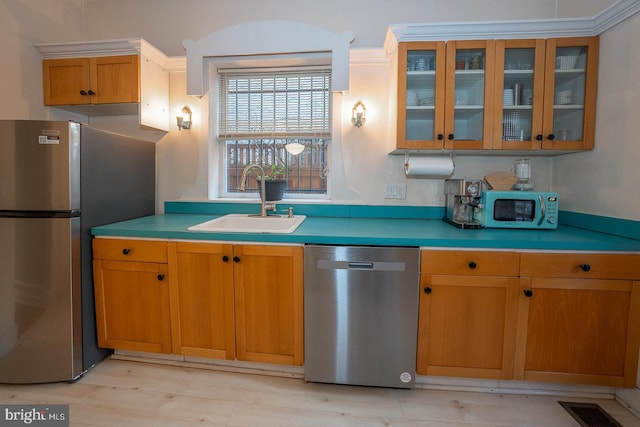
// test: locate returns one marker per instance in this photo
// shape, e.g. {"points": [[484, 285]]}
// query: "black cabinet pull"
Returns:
{"points": [[551, 137], [427, 290], [472, 265], [450, 137], [440, 137], [528, 293], [236, 259], [82, 92], [225, 258], [91, 92], [539, 137], [126, 251], [160, 277], [585, 267]]}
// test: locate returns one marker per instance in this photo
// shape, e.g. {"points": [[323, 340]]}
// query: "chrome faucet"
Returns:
{"points": [[264, 205]]}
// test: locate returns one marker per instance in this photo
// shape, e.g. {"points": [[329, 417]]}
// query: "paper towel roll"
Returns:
{"points": [[429, 167]]}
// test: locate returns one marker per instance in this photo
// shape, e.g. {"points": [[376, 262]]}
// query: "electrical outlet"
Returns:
{"points": [[395, 191]]}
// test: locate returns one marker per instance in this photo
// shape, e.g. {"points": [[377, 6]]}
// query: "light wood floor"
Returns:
{"points": [[123, 393]]}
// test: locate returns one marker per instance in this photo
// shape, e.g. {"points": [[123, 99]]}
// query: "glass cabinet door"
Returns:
{"points": [[421, 95], [570, 92], [468, 93], [519, 94]]}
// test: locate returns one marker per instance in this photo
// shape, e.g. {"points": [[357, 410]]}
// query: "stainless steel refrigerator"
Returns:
{"points": [[57, 180]]}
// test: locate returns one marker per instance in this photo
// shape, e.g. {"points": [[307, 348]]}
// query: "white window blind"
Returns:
{"points": [[275, 104], [262, 111]]}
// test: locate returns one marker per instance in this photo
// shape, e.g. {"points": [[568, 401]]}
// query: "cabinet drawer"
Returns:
{"points": [[480, 263], [580, 265], [130, 250]]}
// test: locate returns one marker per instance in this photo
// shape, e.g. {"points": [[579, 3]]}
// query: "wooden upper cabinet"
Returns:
{"points": [[529, 94], [571, 79], [99, 80], [518, 94], [469, 94], [421, 95]]}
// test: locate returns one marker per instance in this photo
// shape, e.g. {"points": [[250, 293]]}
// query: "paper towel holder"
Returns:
{"points": [[452, 156], [434, 168]]}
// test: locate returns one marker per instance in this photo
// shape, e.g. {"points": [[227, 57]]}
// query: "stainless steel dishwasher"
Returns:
{"points": [[361, 315]]}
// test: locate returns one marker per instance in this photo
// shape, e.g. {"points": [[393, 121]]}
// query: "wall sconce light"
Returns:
{"points": [[184, 121], [358, 114]]}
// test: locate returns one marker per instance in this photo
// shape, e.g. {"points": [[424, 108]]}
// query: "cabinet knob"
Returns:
{"points": [[585, 267], [225, 258], [472, 265], [450, 137], [551, 137], [160, 277], [528, 293], [91, 92], [539, 137], [440, 137], [83, 92], [427, 290], [126, 251], [236, 259]]}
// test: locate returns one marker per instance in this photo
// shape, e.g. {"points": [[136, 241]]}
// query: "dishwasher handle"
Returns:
{"points": [[324, 264], [360, 265]]}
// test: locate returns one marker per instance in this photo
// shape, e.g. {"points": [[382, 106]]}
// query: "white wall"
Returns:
{"points": [[606, 181], [364, 166], [22, 24]]}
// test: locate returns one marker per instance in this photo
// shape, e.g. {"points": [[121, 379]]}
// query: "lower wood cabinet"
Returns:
{"points": [[132, 295], [535, 316], [579, 319], [467, 313], [210, 300], [237, 301], [202, 309]]}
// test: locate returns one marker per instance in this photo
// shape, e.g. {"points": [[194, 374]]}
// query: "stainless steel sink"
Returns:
{"points": [[246, 223]]}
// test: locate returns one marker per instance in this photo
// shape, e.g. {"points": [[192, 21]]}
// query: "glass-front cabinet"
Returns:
{"points": [[521, 94], [421, 91], [468, 94], [571, 78]]}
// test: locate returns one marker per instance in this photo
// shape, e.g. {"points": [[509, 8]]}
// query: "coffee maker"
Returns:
{"points": [[462, 196]]}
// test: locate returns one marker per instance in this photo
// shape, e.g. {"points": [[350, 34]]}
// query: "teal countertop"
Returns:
{"points": [[370, 230]]}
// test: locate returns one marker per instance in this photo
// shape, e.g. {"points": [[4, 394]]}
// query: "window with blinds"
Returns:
{"points": [[263, 111]]}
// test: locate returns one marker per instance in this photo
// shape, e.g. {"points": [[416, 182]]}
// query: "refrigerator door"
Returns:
{"points": [[39, 165], [40, 334]]}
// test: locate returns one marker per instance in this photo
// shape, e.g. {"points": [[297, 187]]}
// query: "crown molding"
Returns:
{"points": [[135, 46], [513, 29]]}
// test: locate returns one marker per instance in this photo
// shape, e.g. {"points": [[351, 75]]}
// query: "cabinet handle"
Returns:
{"points": [[82, 92], [450, 137], [539, 137], [551, 137], [440, 137], [236, 259], [427, 290], [225, 258], [472, 265], [160, 277], [528, 293], [585, 267], [91, 92], [126, 251]]}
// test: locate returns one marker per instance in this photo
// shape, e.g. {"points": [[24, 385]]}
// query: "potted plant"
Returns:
{"points": [[275, 183]]}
